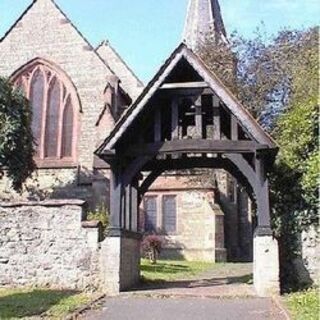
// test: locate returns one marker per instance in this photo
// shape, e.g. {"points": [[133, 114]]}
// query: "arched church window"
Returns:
{"points": [[53, 100]]}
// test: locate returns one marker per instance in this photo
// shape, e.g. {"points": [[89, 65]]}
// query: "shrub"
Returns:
{"points": [[151, 247], [100, 214]]}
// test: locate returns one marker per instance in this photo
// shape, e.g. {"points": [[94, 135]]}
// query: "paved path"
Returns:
{"points": [[138, 308], [225, 280], [220, 293]]}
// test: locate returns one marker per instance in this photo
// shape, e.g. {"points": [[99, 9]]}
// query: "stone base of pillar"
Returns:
{"points": [[120, 263], [266, 263]]}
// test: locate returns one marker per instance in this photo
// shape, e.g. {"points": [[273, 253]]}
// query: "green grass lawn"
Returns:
{"points": [[28, 303], [171, 270], [304, 305]]}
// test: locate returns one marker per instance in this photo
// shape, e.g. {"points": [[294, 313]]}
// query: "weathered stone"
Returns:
{"points": [[266, 266], [64, 256]]}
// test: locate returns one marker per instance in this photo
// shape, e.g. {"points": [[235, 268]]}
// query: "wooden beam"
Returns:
{"points": [[128, 213], [216, 118], [195, 146], [234, 128], [115, 198], [199, 119], [157, 125], [134, 205], [174, 119], [184, 85], [263, 202]]}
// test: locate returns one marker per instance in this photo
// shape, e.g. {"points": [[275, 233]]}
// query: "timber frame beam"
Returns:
{"points": [[191, 146]]}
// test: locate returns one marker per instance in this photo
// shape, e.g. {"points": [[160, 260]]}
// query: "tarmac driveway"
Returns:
{"points": [[143, 308]]}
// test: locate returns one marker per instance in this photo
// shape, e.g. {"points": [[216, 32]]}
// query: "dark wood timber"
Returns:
{"points": [[157, 125], [134, 205], [115, 197], [263, 202], [174, 119], [194, 146], [199, 119], [234, 128], [128, 208], [216, 118]]}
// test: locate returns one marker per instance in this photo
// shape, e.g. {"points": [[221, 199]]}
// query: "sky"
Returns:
{"points": [[145, 32]]}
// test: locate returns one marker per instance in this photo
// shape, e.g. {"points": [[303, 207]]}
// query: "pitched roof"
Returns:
{"points": [[203, 19], [25, 12], [183, 52], [128, 78]]}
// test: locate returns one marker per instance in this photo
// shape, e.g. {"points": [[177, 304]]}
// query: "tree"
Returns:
{"points": [[262, 72], [16, 140], [277, 79]]}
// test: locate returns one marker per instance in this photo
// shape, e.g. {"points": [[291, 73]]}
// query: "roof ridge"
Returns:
{"points": [[106, 42], [69, 20]]}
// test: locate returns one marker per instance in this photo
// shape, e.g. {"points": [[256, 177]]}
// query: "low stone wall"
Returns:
{"points": [[307, 266], [48, 244]]}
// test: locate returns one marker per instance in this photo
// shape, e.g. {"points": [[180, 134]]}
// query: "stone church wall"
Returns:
{"points": [[44, 32], [63, 183], [200, 223], [48, 244]]}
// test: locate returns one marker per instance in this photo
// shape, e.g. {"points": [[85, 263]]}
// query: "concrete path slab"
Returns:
{"points": [[135, 308]]}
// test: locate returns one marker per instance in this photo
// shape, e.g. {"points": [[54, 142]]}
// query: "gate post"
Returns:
{"points": [[266, 268], [265, 263], [120, 251]]}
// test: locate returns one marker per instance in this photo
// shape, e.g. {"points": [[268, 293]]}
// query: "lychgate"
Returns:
{"points": [[185, 119]]}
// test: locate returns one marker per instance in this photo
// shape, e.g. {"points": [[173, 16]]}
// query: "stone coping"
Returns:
{"points": [[262, 231], [46, 203], [91, 224]]}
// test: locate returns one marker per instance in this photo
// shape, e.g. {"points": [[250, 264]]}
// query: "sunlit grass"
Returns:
{"points": [[304, 305], [49, 304]]}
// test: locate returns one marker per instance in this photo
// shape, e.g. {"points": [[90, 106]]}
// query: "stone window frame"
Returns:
{"points": [[68, 92], [156, 198], [162, 197], [160, 214]]}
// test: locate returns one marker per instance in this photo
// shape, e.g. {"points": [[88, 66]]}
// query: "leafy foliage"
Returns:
{"points": [[151, 247], [262, 72], [100, 214], [16, 140], [304, 305], [277, 79]]}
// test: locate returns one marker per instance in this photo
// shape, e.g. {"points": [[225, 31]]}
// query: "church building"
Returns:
{"points": [[78, 93]]}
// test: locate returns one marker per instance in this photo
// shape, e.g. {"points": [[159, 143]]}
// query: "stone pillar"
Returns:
{"points": [[120, 262], [266, 263]]}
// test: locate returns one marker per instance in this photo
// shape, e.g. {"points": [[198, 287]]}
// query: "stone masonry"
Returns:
{"points": [[200, 220], [266, 265], [45, 32], [47, 244]]}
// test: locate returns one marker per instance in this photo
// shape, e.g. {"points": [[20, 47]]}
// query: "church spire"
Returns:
{"points": [[203, 19]]}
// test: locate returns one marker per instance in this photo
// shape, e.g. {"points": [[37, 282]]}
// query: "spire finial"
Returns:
{"points": [[203, 19]]}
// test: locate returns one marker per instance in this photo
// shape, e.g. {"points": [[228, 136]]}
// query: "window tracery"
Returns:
{"points": [[53, 101]]}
